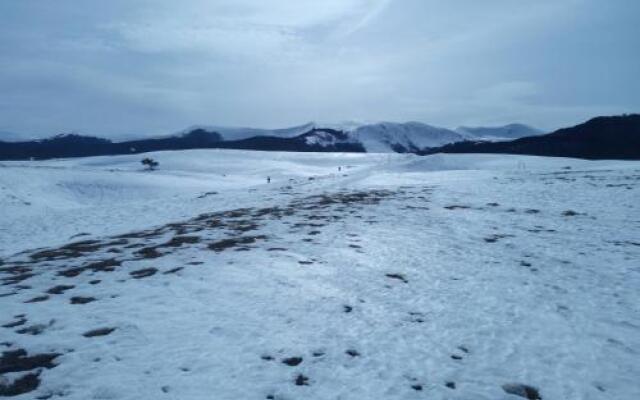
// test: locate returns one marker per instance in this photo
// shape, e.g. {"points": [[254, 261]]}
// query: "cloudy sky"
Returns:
{"points": [[122, 67]]}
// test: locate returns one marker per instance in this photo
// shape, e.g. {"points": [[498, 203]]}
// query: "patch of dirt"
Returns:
{"points": [[33, 330], [98, 332], [81, 300], [243, 226], [143, 273], [173, 270], [18, 273], [149, 253], [38, 299], [525, 391], [19, 361], [18, 322], [107, 265], [457, 207], [494, 238], [225, 244], [74, 250], [60, 289], [24, 384], [292, 361], [352, 353], [178, 241], [570, 213]]}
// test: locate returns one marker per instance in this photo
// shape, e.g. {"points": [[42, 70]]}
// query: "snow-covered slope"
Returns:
{"points": [[351, 276], [506, 132], [403, 137]]}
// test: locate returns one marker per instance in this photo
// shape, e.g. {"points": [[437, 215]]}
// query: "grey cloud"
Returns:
{"points": [[121, 67]]}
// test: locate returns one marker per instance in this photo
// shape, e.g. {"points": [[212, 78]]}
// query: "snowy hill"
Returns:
{"points": [[380, 137], [402, 137], [506, 132], [351, 276]]}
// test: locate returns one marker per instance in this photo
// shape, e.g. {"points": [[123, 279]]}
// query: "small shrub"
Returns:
{"points": [[151, 164]]}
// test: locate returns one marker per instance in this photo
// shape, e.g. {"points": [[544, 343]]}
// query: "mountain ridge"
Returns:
{"points": [[616, 137], [605, 137]]}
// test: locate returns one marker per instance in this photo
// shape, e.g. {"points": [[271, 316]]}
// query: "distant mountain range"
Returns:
{"points": [[73, 145], [312, 137], [616, 137], [380, 137], [603, 137]]}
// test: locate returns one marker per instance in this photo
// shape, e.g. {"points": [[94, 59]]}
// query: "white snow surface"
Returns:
{"points": [[380, 138], [395, 277]]}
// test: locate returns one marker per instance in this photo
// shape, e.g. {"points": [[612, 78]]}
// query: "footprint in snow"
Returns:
{"points": [[459, 357], [399, 277], [292, 361], [417, 317], [352, 353]]}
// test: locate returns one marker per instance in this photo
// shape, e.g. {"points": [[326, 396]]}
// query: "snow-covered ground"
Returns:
{"points": [[349, 276]]}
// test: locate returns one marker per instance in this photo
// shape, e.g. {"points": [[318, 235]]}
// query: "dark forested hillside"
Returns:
{"points": [[615, 137]]}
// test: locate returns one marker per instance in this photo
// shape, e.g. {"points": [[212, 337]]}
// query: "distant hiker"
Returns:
{"points": [[339, 169], [268, 179]]}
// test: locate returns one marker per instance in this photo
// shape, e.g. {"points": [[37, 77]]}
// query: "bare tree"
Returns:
{"points": [[150, 164]]}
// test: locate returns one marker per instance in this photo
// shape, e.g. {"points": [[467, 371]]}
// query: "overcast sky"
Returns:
{"points": [[157, 66]]}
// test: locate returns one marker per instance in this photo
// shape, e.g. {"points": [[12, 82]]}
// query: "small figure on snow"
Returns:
{"points": [[268, 179]]}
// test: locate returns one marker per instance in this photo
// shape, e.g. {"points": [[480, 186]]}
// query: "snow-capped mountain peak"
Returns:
{"points": [[403, 137]]}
